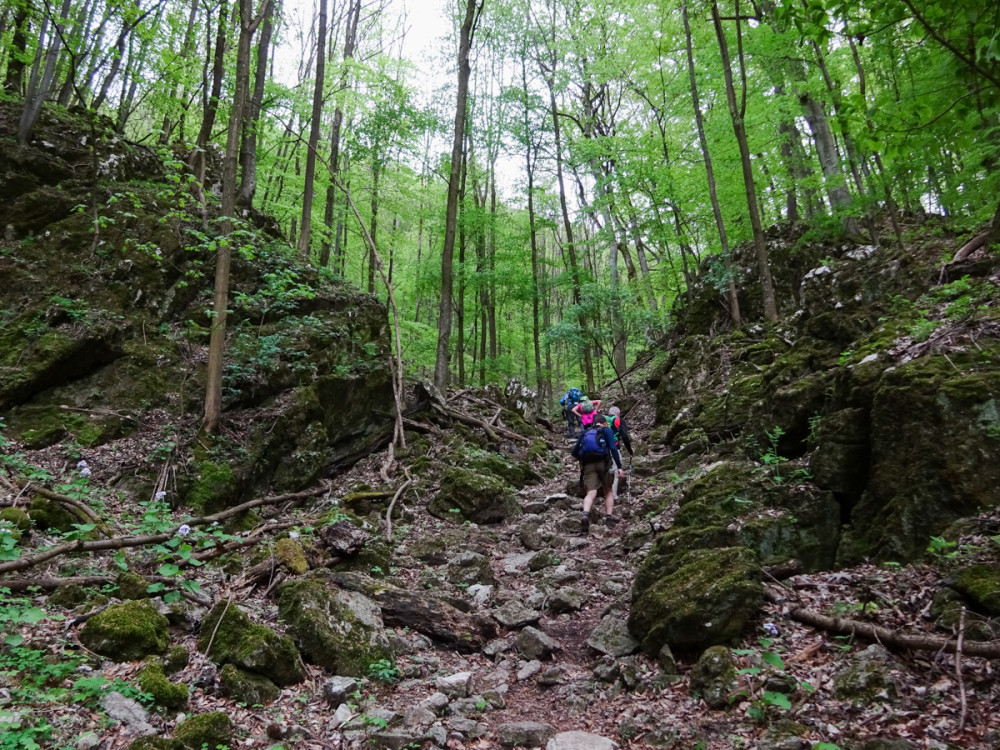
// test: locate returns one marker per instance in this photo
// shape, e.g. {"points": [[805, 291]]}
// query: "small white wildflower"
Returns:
{"points": [[770, 628], [159, 495], [81, 464], [184, 529], [215, 523], [293, 535], [85, 471]]}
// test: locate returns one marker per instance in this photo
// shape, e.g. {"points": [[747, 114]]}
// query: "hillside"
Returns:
{"points": [[808, 535]]}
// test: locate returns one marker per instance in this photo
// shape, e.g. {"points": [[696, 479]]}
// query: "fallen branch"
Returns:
{"points": [[885, 636], [423, 426], [388, 513], [82, 511], [474, 422], [143, 540]]}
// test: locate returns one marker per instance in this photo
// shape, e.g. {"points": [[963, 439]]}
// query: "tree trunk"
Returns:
{"points": [[210, 100], [734, 304], [217, 339], [41, 81], [248, 139], [305, 232], [767, 285], [472, 9], [14, 79]]}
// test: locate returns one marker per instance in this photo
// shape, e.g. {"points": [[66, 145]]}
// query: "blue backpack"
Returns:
{"points": [[571, 397], [593, 445]]}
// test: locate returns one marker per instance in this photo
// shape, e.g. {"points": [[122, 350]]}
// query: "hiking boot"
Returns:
{"points": [[610, 521], [585, 524]]}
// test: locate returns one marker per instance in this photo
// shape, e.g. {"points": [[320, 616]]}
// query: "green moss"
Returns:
{"points": [[156, 743], [211, 729], [17, 518], [165, 694], [290, 556], [127, 631], [247, 688], [176, 658], [467, 495], [214, 487], [714, 677], [131, 585], [981, 584]]}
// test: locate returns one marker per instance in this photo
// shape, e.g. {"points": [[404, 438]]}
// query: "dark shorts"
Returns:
{"points": [[597, 475]]}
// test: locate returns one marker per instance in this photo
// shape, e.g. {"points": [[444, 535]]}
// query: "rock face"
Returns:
{"points": [[111, 317], [127, 631], [339, 630]]}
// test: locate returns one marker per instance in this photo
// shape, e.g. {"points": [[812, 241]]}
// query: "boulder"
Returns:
{"points": [[612, 637], [707, 600], [229, 637], [535, 644], [525, 733], [577, 740], [166, 694], [714, 677], [515, 614], [247, 687], [866, 678], [465, 495], [343, 538], [339, 630], [127, 631], [211, 730], [470, 568]]}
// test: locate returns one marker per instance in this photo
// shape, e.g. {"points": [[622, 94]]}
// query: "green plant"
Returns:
{"points": [[942, 549], [771, 458], [845, 357], [764, 663], [384, 670], [15, 611]]}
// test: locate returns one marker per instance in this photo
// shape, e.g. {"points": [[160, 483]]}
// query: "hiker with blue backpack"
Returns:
{"points": [[595, 449], [570, 399]]}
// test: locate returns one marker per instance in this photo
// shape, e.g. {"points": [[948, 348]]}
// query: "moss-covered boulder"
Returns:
{"points": [[17, 519], [980, 584], [706, 601], [68, 597], [214, 487], [48, 515], [176, 658], [339, 630], [290, 556], [465, 495], [935, 431], [131, 585], [246, 687], [866, 678], [156, 743], [126, 632], [228, 636], [211, 730], [714, 678], [165, 694]]}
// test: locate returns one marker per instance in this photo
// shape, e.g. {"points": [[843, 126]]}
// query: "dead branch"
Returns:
{"points": [[474, 422], [496, 416], [889, 638], [422, 426], [388, 513], [124, 542]]}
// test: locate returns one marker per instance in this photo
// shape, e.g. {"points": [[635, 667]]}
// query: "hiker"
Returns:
{"points": [[595, 449], [570, 399], [622, 437], [586, 410]]}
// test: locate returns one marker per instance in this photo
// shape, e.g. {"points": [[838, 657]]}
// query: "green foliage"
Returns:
{"points": [[384, 670], [766, 662]]}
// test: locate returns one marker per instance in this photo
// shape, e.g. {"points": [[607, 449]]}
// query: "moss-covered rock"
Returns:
{"points": [[246, 687], [714, 677], [131, 585], [981, 585], [706, 601], [156, 743], [68, 597], [466, 495], [254, 648], [867, 678], [17, 518], [176, 658], [290, 556], [166, 694], [48, 515], [211, 729], [338, 630], [214, 487], [126, 632]]}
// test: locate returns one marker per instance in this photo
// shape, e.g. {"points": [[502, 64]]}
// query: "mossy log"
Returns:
{"points": [[423, 613]]}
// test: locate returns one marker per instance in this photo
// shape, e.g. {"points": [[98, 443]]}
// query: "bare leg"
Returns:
{"points": [[588, 500]]}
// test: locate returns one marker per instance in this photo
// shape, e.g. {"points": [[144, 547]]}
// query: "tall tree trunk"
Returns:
{"points": [[41, 75], [210, 100], [248, 139], [734, 303], [14, 79], [305, 232], [737, 115], [466, 34], [217, 339]]}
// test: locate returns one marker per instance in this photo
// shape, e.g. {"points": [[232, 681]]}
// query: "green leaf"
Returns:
{"points": [[168, 569], [773, 659], [776, 699], [14, 640], [32, 615]]}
